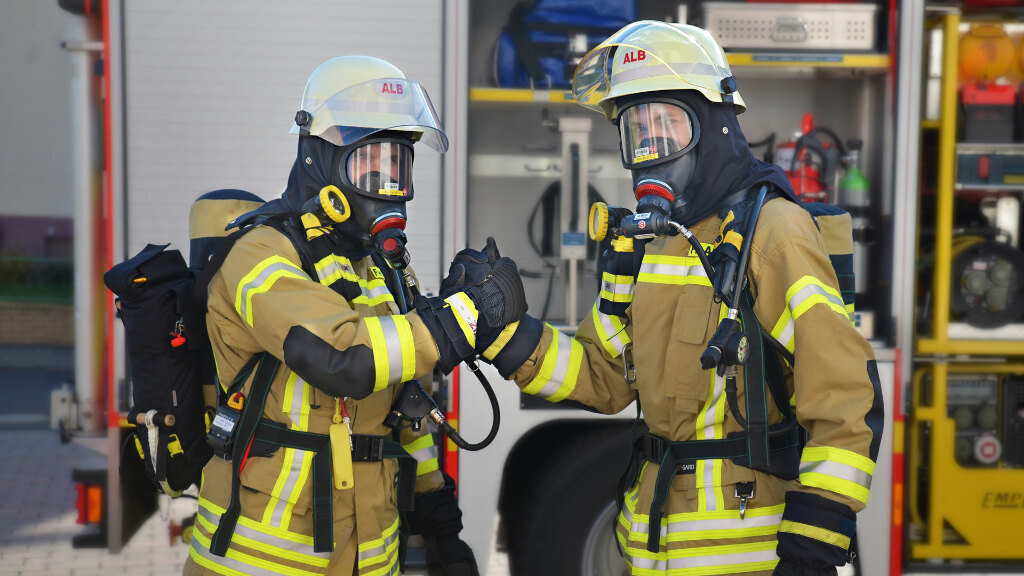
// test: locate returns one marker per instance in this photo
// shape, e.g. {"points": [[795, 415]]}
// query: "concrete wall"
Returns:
{"points": [[34, 110]]}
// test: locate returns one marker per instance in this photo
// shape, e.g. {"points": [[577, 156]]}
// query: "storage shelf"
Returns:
{"points": [[876, 62], [778, 62]]}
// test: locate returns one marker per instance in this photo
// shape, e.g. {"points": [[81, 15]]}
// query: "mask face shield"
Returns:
{"points": [[654, 132], [380, 169]]}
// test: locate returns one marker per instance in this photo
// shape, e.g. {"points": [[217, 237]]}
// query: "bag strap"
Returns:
{"points": [[251, 413]]}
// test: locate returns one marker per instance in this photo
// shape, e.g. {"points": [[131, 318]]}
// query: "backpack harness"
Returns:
{"points": [[770, 448]]}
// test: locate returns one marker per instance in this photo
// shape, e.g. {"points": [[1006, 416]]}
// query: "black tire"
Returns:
{"points": [[566, 519]]}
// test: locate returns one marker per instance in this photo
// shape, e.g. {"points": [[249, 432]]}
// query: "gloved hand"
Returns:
{"points": [[810, 568], [470, 268], [500, 300], [478, 307], [437, 518]]}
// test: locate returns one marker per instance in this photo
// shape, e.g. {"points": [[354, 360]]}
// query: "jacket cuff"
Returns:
{"points": [[815, 529], [514, 345]]}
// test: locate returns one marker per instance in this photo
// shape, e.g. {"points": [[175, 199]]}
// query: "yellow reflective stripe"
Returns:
{"points": [[503, 338], [260, 279], [425, 453], [694, 526], [394, 350], [333, 268], [305, 467], [408, 346], [425, 441], [806, 292], [262, 564], [704, 560], [375, 292], [610, 331], [244, 521], [374, 551], [275, 551], [709, 426], [840, 471], [616, 288], [380, 352], [466, 315], [816, 533], [559, 370], [676, 270]]}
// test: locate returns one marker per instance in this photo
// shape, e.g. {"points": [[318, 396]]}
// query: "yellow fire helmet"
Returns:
{"points": [[348, 98], [649, 56]]}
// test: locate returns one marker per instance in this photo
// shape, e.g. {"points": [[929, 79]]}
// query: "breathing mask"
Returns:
{"points": [[657, 136]]}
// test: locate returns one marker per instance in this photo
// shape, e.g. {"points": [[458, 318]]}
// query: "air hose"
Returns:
{"points": [[413, 403]]}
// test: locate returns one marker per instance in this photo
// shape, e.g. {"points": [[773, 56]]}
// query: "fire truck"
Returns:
{"points": [[172, 100]]}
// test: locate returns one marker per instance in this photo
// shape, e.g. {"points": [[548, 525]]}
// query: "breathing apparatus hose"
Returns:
{"points": [[409, 291]]}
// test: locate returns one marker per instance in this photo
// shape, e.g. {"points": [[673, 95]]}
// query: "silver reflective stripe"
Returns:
{"points": [[809, 290], [298, 458], [613, 336], [231, 563], [365, 555], [671, 69], [298, 393], [377, 292], [261, 279], [393, 342], [705, 561], [837, 470], [265, 538], [425, 454], [664, 269], [685, 526], [786, 336], [336, 267], [709, 434], [561, 367]]}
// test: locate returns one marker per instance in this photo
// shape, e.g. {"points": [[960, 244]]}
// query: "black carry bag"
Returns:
{"points": [[154, 301]]}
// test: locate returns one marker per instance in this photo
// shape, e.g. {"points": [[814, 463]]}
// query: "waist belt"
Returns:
{"points": [[253, 428], [672, 456]]}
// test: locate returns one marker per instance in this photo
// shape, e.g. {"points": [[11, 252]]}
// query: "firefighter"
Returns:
{"points": [[705, 494], [309, 326]]}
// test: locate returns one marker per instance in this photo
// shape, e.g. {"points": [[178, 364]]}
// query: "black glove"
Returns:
{"points": [[470, 268], [795, 568], [500, 300], [438, 519]]}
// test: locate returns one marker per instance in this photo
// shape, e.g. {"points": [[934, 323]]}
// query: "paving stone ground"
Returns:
{"points": [[37, 515]]}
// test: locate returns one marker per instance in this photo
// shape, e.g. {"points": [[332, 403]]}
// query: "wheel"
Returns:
{"points": [[566, 520]]}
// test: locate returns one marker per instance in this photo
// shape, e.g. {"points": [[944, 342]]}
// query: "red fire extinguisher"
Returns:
{"points": [[809, 163]]}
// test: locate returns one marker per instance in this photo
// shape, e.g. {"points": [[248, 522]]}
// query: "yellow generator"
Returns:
{"points": [[966, 462]]}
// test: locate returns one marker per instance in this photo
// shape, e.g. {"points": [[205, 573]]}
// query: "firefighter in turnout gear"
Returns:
{"points": [[312, 327], [723, 481]]}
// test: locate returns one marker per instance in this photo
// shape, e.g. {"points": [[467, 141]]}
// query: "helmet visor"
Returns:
{"points": [[653, 131], [381, 170], [364, 109], [646, 57]]}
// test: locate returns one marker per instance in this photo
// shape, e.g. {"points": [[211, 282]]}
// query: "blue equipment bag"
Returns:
{"points": [[536, 49]]}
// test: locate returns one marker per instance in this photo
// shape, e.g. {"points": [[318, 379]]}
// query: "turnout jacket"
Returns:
{"points": [[357, 349], [833, 385]]}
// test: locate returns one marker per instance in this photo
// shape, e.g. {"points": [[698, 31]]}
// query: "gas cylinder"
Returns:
{"points": [[855, 198]]}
